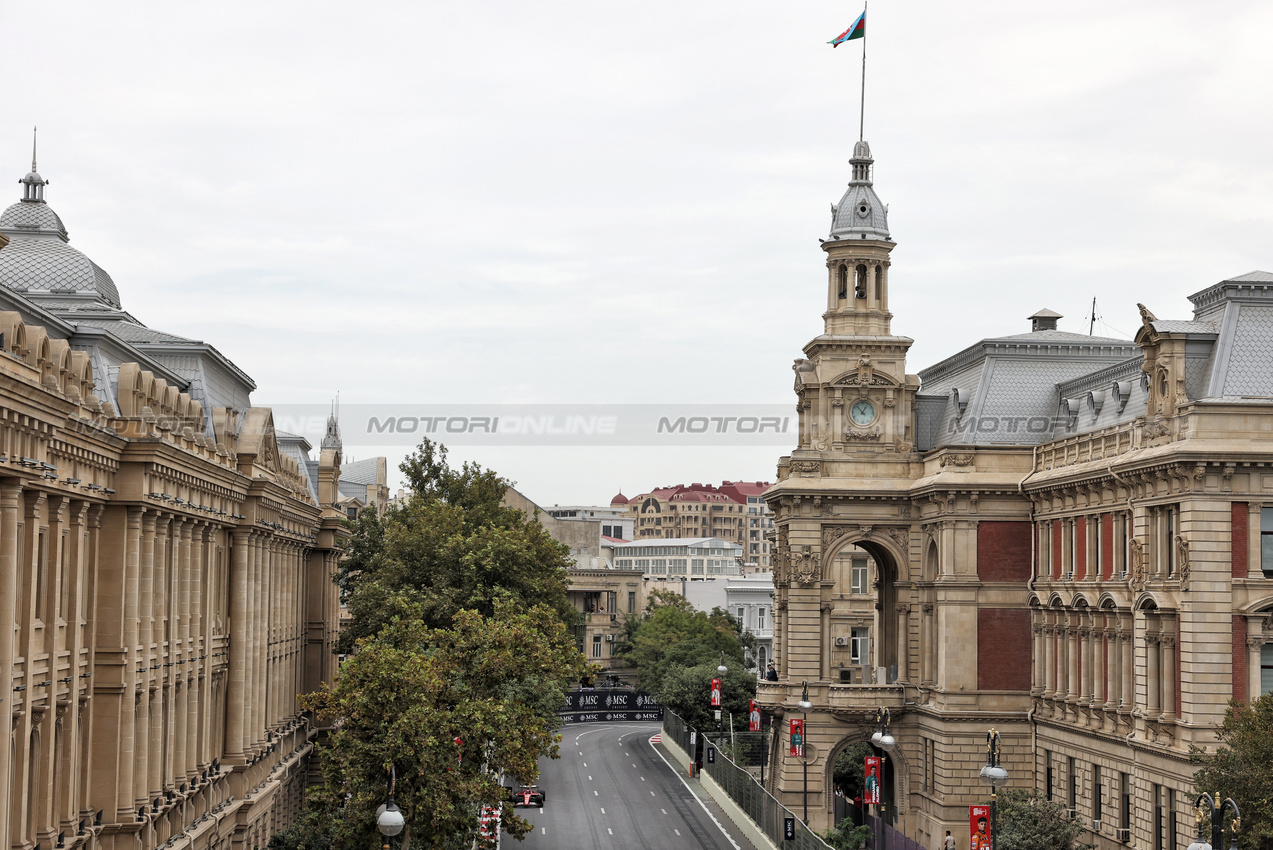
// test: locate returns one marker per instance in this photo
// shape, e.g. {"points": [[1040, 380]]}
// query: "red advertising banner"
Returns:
{"points": [[871, 795], [797, 738], [753, 718], [979, 827], [716, 693]]}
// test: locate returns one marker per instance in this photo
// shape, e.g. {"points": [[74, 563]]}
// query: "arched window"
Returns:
{"points": [[860, 286], [843, 279]]}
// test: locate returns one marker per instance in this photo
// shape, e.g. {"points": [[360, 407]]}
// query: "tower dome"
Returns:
{"points": [[38, 260], [860, 213]]}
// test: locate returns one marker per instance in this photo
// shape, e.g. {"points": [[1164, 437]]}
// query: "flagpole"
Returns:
{"points": [[862, 101]]}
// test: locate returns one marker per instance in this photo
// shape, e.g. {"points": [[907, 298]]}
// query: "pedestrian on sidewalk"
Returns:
{"points": [[949, 842]]}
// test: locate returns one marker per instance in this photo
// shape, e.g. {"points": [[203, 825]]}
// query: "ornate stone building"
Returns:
{"points": [[165, 570], [1064, 537]]}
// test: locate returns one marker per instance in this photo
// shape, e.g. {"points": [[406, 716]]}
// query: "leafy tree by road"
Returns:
{"points": [[1241, 767], [451, 547], [676, 650], [1028, 821], [406, 696]]}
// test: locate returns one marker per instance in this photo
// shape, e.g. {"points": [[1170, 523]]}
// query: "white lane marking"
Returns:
{"points": [[585, 764], [651, 793], [609, 830], [589, 732], [634, 765], [603, 811], [706, 811], [677, 831], [642, 778], [589, 778], [543, 830], [664, 811], [596, 794]]}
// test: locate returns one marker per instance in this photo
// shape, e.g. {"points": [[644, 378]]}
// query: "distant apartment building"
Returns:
{"points": [[750, 599], [692, 558], [615, 521], [734, 511]]}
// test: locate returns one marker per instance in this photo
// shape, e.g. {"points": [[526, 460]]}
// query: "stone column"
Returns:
{"points": [[1049, 660], [903, 642], [1089, 664], [236, 698], [926, 642], [1100, 661], [132, 776], [1127, 669], [10, 500], [1167, 652], [1254, 647]]}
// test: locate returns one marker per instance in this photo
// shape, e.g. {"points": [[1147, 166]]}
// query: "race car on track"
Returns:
{"points": [[528, 795]]}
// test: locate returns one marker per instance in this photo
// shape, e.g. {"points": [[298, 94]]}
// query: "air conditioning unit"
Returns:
{"points": [[1123, 835], [1096, 826], [609, 638], [841, 641], [1072, 814]]}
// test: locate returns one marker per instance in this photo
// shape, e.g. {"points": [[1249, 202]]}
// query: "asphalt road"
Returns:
{"points": [[612, 788]]}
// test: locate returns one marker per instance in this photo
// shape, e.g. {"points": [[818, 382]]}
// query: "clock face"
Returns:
{"points": [[862, 412]]}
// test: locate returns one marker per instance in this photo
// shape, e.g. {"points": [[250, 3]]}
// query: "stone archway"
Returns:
{"points": [[887, 548]]}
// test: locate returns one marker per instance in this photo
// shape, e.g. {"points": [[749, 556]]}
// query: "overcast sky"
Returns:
{"points": [[582, 202]]}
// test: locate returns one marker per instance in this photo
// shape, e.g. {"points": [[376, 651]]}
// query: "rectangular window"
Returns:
{"points": [[859, 645], [1125, 789], [760, 618], [1169, 540], [1095, 563], [1098, 793], [596, 646], [742, 617], [1047, 774], [1158, 818], [858, 576], [631, 601], [1071, 770], [1266, 541], [1172, 838]]}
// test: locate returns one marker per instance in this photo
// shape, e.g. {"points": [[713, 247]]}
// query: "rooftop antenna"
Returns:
{"points": [[1091, 325], [34, 130]]}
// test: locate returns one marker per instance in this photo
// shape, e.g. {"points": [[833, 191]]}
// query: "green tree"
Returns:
{"points": [[453, 546], [1241, 767], [1028, 821], [406, 696], [676, 650], [845, 836], [849, 771]]}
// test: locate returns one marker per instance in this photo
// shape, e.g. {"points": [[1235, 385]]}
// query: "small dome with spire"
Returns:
{"points": [[860, 214], [619, 499], [38, 262]]}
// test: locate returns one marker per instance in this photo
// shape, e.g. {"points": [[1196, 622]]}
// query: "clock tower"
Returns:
{"points": [[854, 394]]}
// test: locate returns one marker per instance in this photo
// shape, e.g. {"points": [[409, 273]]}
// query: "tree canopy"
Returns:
{"points": [[459, 657], [1241, 767], [1028, 821], [676, 650], [451, 710], [453, 546]]}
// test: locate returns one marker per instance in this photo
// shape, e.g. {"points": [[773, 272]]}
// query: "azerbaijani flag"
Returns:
{"points": [[856, 30]]}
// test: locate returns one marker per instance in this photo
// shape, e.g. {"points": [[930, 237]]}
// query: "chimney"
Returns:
{"points": [[1044, 320]]}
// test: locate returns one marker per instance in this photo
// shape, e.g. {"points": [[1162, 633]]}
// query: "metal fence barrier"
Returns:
{"points": [[759, 805]]}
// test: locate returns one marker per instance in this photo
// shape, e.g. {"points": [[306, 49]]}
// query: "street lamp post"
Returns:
{"points": [[994, 775], [389, 818], [1217, 823], [804, 706], [721, 671], [883, 739]]}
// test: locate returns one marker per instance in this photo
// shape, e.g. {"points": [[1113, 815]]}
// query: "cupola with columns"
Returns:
{"points": [[854, 392]]}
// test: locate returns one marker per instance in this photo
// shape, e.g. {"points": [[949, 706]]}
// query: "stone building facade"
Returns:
{"points": [[735, 511], [1067, 538], [165, 571]]}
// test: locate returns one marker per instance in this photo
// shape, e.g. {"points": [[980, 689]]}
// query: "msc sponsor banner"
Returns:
{"points": [[609, 704]]}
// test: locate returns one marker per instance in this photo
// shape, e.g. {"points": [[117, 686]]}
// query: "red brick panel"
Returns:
{"points": [[1003, 649], [1239, 658], [1003, 551], [1080, 550], [1058, 528], [1239, 543], [1107, 547]]}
